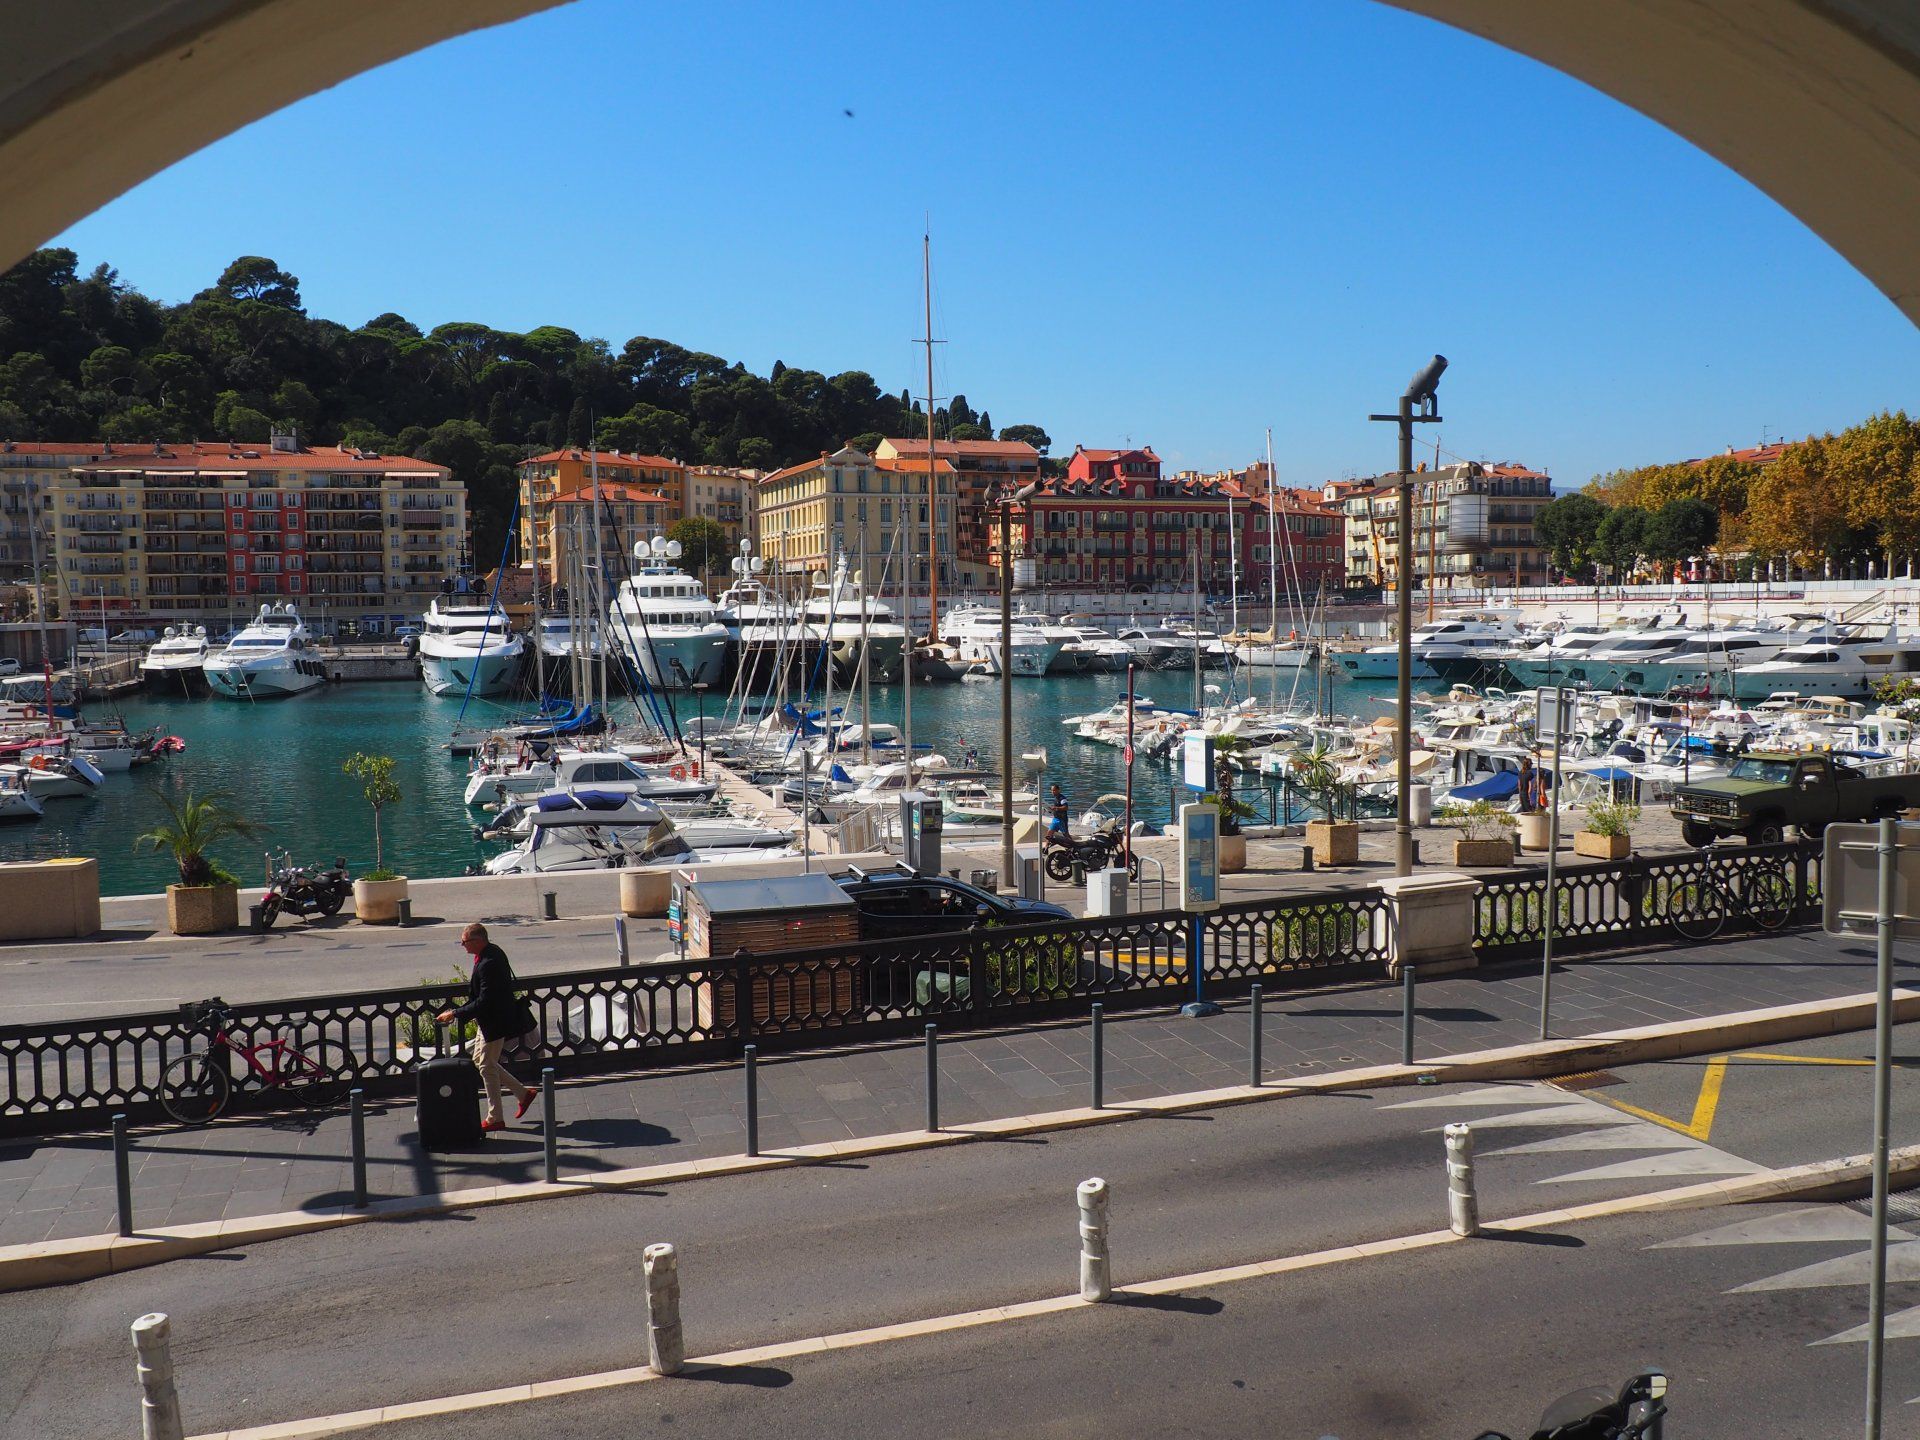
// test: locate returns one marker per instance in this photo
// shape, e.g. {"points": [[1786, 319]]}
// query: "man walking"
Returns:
{"points": [[498, 1015]]}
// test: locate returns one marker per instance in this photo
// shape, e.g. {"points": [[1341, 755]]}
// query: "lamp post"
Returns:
{"points": [[1421, 391], [1009, 874]]}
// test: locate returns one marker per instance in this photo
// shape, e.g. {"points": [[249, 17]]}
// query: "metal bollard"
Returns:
{"points": [[1406, 1013], [403, 911], [153, 1362], [751, 1055], [1099, 1056], [123, 1174], [1254, 1038], [1463, 1206], [620, 938], [357, 1116], [550, 1134], [1096, 1265], [933, 1078], [1414, 849], [549, 905], [1306, 859], [666, 1344]]}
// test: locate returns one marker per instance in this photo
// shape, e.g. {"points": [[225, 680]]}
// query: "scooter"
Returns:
{"points": [[1637, 1412], [300, 890]]}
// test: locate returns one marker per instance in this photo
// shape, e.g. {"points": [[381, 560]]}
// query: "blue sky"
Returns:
{"points": [[1173, 225]]}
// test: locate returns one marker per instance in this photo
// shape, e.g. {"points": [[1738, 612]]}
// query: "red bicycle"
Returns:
{"points": [[195, 1088]]}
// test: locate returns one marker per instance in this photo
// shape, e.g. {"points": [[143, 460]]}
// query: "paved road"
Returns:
{"points": [[388, 1313]]}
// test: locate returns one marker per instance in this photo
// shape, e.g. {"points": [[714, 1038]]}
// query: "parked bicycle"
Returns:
{"points": [[196, 1088], [1698, 906]]}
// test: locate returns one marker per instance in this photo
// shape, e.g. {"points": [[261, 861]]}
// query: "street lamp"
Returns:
{"points": [[1421, 391], [1008, 498]]}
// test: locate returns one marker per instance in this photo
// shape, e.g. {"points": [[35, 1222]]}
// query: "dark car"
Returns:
{"points": [[898, 902]]}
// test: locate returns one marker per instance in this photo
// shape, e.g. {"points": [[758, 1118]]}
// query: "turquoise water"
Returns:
{"points": [[280, 761]]}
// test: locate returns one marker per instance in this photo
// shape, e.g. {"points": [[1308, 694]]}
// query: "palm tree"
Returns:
{"points": [[194, 824]]}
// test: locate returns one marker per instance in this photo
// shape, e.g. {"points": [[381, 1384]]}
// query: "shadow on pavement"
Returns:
{"points": [[1176, 1304]]}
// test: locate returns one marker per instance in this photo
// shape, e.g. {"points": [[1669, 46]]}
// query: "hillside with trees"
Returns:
{"points": [[85, 357]]}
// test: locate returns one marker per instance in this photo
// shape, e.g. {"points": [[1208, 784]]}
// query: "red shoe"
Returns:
{"points": [[487, 1125], [526, 1104]]}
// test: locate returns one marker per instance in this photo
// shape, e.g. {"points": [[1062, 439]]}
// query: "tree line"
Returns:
{"points": [[88, 357], [1841, 498]]}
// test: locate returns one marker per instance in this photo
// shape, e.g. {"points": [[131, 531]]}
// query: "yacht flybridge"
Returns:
{"points": [[664, 624], [467, 647], [272, 657]]}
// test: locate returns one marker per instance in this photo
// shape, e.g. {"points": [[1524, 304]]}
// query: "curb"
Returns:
{"points": [[59, 1262]]}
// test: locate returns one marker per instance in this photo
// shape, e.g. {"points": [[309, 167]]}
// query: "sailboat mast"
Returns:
{"points": [[906, 614], [599, 569], [866, 659], [933, 483], [1273, 582]]}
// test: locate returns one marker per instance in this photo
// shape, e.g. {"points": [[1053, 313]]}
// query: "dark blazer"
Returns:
{"points": [[491, 1001]]}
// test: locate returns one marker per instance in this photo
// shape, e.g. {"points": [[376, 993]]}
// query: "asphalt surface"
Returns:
{"points": [[380, 1314]]}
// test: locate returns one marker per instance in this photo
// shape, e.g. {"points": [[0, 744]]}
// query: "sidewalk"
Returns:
{"points": [[64, 1187]]}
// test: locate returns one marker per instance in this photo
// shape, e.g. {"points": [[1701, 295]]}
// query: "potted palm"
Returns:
{"points": [[207, 899], [1608, 832], [1233, 844], [1334, 841], [1485, 833], [378, 893]]}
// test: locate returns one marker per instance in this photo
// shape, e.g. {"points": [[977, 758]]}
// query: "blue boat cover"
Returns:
{"points": [[584, 800], [1611, 773], [1495, 787]]}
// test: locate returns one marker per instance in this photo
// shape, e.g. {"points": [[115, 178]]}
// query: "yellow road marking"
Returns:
{"points": [[1704, 1106], [1795, 1059]]}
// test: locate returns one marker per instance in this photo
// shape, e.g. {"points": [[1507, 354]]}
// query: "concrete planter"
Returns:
{"points": [[377, 902], [1482, 854], [1601, 847], [1535, 831], [202, 909], [1233, 854], [49, 899], [645, 893], [1335, 842]]}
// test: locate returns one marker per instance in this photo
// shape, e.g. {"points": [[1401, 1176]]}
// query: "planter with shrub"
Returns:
{"points": [[378, 893], [207, 899], [1486, 833], [1608, 833]]}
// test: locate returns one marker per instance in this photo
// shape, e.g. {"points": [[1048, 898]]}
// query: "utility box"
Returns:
{"points": [[922, 821], [1033, 878], [764, 917], [1106, 892]]}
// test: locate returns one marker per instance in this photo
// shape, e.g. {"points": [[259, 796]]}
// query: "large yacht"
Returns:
{"points": [[833, 615], [976, 633], [271, 657], [173, 665], [664, 624], [1845, 664], [467, 647], [760, 621], [1458, 646]]}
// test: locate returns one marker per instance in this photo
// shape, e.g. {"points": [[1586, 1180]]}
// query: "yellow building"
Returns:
{"points": [[562, 472], [197, 531], [849, 503], [28, 470]]}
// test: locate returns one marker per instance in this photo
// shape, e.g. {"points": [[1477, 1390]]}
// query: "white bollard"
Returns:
{"points": [[666, 1346], [159, 1402], [1096, 1266], [1463, 1207]]}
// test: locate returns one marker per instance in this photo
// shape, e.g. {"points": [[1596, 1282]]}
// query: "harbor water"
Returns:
{"points": [[279, 764]]}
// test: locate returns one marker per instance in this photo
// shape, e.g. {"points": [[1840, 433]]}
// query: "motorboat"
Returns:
{"points": [[17, 802], [468, 647], [663, 623], [842, 617], [46, 775], [978, 635], [1059, 633], [271, 657], [1157, 647], [1455, 646], [1850, 664], [1092, 651], [583, 769], [760, 622], [172, 666], [593, 830]]}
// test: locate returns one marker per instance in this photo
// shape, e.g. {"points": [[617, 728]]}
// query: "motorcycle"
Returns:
{"points": [[1064, 855], [1635, 1413], [301, 890]]}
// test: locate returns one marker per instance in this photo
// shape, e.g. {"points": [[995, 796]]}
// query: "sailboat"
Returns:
{"points": [[1268, 651]]}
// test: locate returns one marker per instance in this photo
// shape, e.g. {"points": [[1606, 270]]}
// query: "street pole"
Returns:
{"points": [[1420, 391], [1882, 1108], [1553, 860], [1009, 876]]}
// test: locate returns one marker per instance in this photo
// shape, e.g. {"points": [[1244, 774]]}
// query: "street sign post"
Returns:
{"points": [[1554, 712], [1199, 893], [1196, 761], [1870, 880]]}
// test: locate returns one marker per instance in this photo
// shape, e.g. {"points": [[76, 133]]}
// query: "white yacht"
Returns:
{"points": [[592, 831], [1258, 654], [1559, 658], [1457, 645], [17, 803], [173, 665], [1063, 634], [1157, 647], [555, 638], [977, 633], [271, 657], [1847, 664], [760, 622], [1092, 651], [468, 647], [663, 623], [833, 616], [1713, 659]]}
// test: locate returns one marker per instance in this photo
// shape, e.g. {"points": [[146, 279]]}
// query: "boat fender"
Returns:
{"points": [[696, 770], [679, 772]]}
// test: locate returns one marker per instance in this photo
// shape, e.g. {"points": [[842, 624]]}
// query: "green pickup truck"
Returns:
{"points": [[1765, 793]]}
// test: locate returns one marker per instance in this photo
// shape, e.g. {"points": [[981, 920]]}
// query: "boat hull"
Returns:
{"points": [[273, 679], [174, 679], [486, 673], [677, 658]]}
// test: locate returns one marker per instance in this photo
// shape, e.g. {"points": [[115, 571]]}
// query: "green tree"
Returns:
{"points": [[1028, 434], [867, 441], [1621, 538], [258, 279], [194, 825], [1681, 529], [704, 546], [1568, 527], [969, 432], [380, 789]]}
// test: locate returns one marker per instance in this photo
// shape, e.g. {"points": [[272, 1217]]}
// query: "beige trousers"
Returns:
{"points": [[493, 1075]]}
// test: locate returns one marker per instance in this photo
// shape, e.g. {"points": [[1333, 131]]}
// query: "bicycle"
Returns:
{"points": [[1698, 907], [195, 1088]]}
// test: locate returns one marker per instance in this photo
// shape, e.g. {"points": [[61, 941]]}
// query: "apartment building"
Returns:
{"points": [[199, 531], [561, 472], [725, 495], [981, 468], [853, 504], [624, 513], [1472, 526], [28, 469]]}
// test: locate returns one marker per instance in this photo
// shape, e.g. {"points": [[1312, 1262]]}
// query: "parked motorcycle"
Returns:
{"points": [[1063, 855], [301, 890], [1637, 1412]]}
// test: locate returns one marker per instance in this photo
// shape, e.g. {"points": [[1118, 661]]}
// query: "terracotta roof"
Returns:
{"points": [[606, 458], [51, 447], [1146, 452], [1008, 449], [914, 467], [1509, 470], [613, 490], [217, 455], [1120, 489], [1756, 455]]}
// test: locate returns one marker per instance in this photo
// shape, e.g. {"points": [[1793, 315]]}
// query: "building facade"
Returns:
{"points": [[872, 511], [197, 532], [981, 469], [28, 470], [1472, 526], [562, 472], [625, 514], [725, 494]]}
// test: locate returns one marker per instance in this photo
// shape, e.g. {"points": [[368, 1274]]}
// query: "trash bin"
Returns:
{"points": [[446, 1110]]}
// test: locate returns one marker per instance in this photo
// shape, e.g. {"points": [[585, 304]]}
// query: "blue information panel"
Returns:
{"points": [[1199, 857]]}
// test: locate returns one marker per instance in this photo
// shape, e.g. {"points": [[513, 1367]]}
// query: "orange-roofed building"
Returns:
{"points": [[626, 513], [28, 469], [853, 504], [561, 472], [980, 469]]}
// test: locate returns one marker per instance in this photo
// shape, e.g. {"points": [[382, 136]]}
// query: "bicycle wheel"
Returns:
{"points": [[1770, 899], [1696, 909], [194, 1089], [319, 1075]]}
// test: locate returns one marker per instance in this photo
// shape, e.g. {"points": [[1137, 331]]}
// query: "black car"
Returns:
{"points": [[898, 902]]}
